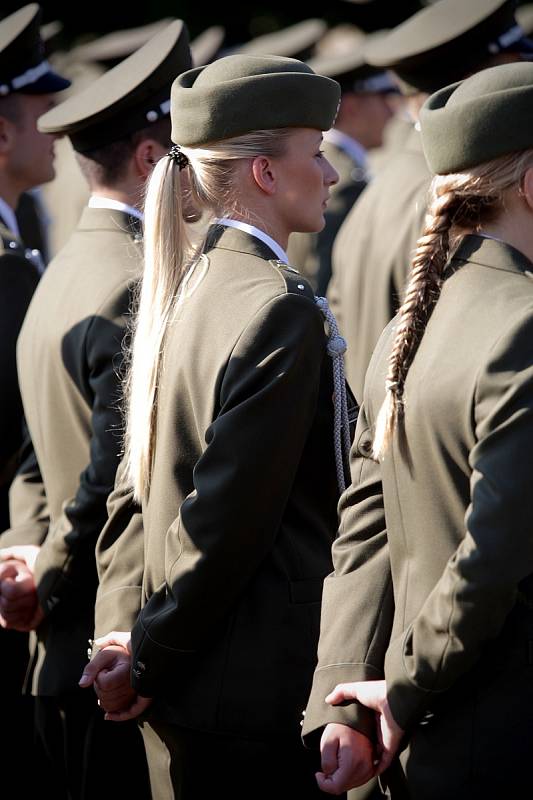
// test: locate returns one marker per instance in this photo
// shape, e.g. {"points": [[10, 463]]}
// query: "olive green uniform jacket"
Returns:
{"points": [[436, 544], [372, 255], [18, 280], [69, 357], [241, 511], [312, 251]]}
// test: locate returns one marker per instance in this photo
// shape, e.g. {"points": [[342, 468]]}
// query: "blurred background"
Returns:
{"points": [[85, 20]]}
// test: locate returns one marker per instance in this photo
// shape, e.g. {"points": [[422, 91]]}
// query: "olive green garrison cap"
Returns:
{"points": [[128, 97], [490, 114], [242, 93]]}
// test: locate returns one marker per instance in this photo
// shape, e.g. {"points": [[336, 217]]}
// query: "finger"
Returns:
{"points": [[325, 783], [120, 700], [18, 622], [385, 761], [329, 784], [8, 569], [116, 678], [343, 691], [120, 638], [329, 756], [104, 659], [122, 716], [18, 602], [369, 693], [20, 552], [139, 705], [119, 703]]}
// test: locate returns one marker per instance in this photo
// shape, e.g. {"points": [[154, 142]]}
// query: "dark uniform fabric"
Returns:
{"points": [[32, 226], [372, 255], [241, 511], [433, 560], [69, 358], [185, 763], [18, 280], [312, 251]]}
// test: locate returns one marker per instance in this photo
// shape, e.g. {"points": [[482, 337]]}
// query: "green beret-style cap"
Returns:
{"points": [[242, 93], [128, 97], [488, 115], [446, 41]]}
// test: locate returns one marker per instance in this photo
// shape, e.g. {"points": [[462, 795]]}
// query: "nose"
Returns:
{"points": [[331, 176]]}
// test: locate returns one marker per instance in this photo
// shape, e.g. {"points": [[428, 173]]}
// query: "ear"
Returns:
{"points": [[264, 174], [147, 154], [8, 133], [526, 189]]}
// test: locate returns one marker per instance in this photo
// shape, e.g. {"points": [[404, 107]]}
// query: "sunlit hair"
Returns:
{"points": [[170, 253], [459, 203]]}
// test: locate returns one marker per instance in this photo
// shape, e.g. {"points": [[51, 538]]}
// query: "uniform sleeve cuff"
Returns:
{"points": [[408, 702], [152, 663], [24, 534], [319, 713], [117, 610]]}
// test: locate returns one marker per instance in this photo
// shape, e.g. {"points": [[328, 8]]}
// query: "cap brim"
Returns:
{"points": [[49, 83]]}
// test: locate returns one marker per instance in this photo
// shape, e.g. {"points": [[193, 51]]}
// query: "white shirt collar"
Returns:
{"points": [[259, 234], [353, 148], [97, 201], [8, 215]]}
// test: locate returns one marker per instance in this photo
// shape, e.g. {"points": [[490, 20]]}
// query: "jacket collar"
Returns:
{"points": [[491, 253], [111, 220], [222, 238]]}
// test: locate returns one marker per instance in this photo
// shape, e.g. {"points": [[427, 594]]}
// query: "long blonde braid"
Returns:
{"points": [[421, 295], [459, 203]]}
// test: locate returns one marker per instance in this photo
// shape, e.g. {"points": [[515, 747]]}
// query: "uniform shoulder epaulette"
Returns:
{"points": [[293, 280]]}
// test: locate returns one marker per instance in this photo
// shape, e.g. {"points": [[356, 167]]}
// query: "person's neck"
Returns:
{"points": [[121, 194], [265, 223], [513, 230], [9, 193]]}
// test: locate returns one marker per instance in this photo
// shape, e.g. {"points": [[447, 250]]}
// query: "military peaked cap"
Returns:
{"points": [[117, 45], [129, 97], [350, 69], [296, 41], [23, 67], [242, 93], [488, 115], [446, 41]]}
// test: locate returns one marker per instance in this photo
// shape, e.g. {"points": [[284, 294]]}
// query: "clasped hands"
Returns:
{"points": [[349, 758], [109, 673], [19, 604]]}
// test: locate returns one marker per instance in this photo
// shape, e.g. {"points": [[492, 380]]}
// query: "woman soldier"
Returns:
{"points": [[229, 442], [432, 586]]}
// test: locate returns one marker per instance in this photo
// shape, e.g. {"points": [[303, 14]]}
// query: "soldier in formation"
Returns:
{"points": [[173, 488]]}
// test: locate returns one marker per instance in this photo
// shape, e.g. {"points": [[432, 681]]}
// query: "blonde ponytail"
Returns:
{"points": [[166, 249], [170, 253]]}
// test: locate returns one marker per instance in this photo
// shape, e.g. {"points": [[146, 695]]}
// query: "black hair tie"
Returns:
{"points": [[176, 155]]}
